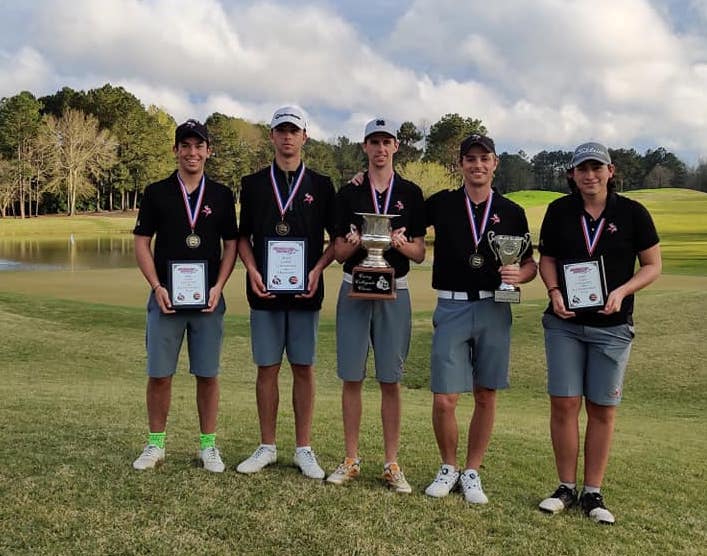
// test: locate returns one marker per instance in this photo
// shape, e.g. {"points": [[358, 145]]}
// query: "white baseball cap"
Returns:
{"points": [[381, 125], [289, 114]]}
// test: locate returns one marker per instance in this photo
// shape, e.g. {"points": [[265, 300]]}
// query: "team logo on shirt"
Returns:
{"points": [[399, 205], [206, 211], [611, 228], [309, 199], [495, 219]]}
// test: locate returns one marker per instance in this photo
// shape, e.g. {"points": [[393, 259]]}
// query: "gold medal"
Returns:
{"points": [[193, 241], [476, 261], [282, 228]]}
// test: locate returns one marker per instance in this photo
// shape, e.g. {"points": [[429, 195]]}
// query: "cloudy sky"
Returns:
{"points": [[546, 74]]}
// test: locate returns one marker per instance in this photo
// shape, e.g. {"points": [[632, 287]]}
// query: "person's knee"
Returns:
{"points": [[445, 403], [603, 414], [389, 388], [158, 383], [352, 386], [484, 398], [269, 372], [302, 372], [565, 408]]}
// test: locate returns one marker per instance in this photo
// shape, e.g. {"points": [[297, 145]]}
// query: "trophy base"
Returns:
{"points": [[507, 296], [372, 283]]}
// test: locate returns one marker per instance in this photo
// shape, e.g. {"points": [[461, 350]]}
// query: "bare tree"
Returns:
{"points": [[7, 187], [82, 154]]}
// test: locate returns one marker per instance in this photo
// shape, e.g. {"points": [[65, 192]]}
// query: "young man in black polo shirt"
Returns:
{"points": [[471, 342], [383, 323], [285, 201], [190, 215], [587, 348]]}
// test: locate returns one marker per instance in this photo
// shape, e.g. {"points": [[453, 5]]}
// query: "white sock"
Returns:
{"points": [[591, 490]]}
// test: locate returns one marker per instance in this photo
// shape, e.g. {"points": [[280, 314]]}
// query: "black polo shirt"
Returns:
{"points": [[312, 212], [406, 201], [454, 241], [628, 230], [162, 212]]}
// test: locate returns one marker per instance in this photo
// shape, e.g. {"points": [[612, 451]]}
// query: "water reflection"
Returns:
{"points": [[75, 253]]}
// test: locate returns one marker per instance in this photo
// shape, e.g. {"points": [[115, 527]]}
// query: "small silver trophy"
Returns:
{"points": [[508, 250], [374, 278]]}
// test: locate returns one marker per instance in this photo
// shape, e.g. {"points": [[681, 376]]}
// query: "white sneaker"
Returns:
{"points": [[262, 457], [471, 486], [347, 471], [307, 463], [211, 459], [395, 479], [444, 482], [151, 456]]}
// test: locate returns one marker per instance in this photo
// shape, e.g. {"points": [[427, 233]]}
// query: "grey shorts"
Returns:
{"points": [[165, 333], [470, 346], [586, 361], [273, 333], [384, 325]]}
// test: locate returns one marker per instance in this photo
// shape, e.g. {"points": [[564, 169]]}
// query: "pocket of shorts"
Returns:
{"points": [[548, 321]]}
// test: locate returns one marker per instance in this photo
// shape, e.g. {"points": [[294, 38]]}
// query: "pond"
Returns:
{"points": [[67, 253]]}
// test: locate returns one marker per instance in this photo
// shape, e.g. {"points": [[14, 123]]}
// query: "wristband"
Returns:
{"points": [[550, 290], [156, 286]]}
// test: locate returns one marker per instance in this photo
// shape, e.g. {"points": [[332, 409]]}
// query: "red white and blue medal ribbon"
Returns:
{"points": [[276, 191], [477, 234], [590, 240], [192, 215], [374, 196]]}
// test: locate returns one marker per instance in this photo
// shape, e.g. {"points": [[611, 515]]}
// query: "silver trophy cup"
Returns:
{"points": [[508, 250], [374, 278], [375, 237]]}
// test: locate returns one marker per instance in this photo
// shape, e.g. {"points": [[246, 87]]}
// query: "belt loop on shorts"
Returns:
{"points": [[474, 295]]}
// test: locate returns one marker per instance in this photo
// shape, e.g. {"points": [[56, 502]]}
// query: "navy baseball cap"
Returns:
{"points": [[191, 128], [477, 139]]}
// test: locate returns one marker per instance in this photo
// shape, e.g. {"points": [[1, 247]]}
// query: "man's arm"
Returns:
{"points": [[345, 247], [146, 264], [548, 273], [515, 274], [313, 278], [228, 260], [245, 251], [651, 266], [413, 249]]}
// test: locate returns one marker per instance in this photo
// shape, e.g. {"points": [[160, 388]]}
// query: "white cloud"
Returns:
{"points": [[24, 69], [546, 74], [566, 70]]}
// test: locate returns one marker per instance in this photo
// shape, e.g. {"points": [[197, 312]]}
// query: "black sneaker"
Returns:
{"points": [[592, 504], [562, 499]]}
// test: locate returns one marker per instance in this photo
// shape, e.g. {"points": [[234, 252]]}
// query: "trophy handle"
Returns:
{"points": [[526, 242], [492, 244]]}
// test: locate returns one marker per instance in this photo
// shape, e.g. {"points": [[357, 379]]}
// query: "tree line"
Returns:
{"points": [[77, 151]]}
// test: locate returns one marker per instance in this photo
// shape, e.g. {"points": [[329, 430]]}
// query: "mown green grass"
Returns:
{"points": [[73, 418], [89, 225], [679, 216]]}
